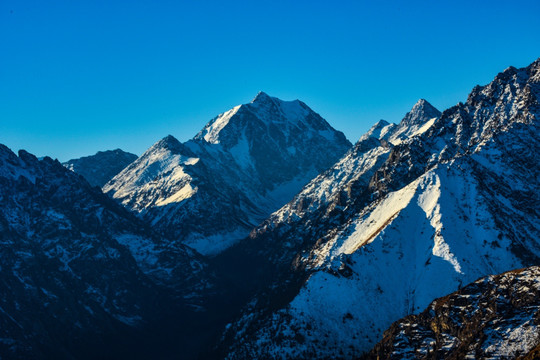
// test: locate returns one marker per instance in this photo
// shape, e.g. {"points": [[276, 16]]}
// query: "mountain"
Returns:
{"points": [[493, 318], [80, 275], [98, 169], [412, 212], [210, 191]]}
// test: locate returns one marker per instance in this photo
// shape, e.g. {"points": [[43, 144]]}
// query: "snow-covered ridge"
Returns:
{"points": [[270, 112], [211, 132], [436, 204], [210, 191]]}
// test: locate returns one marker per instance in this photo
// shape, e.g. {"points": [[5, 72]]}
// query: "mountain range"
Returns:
{"points": [[244, 164], [269, 235], [397, 222], [80, 274]]}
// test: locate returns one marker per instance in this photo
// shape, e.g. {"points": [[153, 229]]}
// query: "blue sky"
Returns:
{"points": [[81, 76]]}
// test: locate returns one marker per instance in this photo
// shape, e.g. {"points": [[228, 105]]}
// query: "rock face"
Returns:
{"points": [[497, 317], [411, 213], [98, 169], [80, 276], [246, 163]]}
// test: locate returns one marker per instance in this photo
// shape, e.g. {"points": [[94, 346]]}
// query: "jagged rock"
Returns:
{"points": [[497, 317], [398, 221], [80, 275]]}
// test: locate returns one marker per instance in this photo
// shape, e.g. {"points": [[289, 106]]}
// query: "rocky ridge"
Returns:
{"points": [[394, 225], [247, 162], [80, 274], [496, 317]]}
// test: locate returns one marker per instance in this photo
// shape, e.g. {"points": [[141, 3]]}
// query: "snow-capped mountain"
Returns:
{"points": [[415, 122], [98, 169], [493, 318], [412, 212], [246, 163], [80, 275]]}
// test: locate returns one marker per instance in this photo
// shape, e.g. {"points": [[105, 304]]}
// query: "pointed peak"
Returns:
{"points": [[420, 112], [169, 142], [261, 97], [421, 102], [169, 138], [424, 105], [377, 131], [380, 123]]}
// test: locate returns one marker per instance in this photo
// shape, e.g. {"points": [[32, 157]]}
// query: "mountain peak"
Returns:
{"points": [[420, 112], [381, 123], [168, 142], [424, 105], [378, 130], [261, 97]]}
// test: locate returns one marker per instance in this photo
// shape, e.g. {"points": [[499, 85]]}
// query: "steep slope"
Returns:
{"points": [[497, 317], [98, 169], [212, 190], [417, 121], [80, 275], [396, 223]]}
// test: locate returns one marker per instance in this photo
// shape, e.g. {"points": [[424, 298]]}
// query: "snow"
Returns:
{"points": [[293, 110], [142, 249], [212, 130], [13, 167], [409, 248], [128, 320], [404, 132], [145, 177], [215, 188], [513, 339], [422, 129], [323, 187], [327, 134], [241, 153], [214, 244], [184, 193], [370, 226]]}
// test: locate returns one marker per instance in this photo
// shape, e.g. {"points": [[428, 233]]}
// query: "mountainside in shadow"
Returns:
{"points": [[81, 277], [98, 169]]}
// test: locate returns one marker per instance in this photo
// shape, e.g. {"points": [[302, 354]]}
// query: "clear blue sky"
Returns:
{"points": [[81, 76]]}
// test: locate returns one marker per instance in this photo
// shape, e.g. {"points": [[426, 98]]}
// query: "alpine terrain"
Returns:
{"points": [[80, 275], [268, 235], [98, 169], [412, 212], [496, 317], [244, 164]]}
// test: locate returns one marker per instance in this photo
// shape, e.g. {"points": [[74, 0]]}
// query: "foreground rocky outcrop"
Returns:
{"points": [[496, 317], [81, 277]]}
